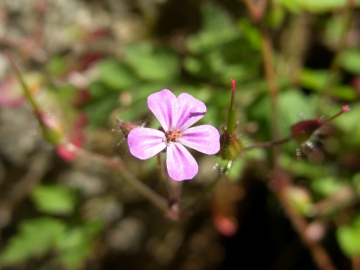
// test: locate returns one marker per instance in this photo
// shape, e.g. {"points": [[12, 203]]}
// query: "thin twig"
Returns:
{"points": [[267, 144], [355, 261], [319, 254], [117, 165], [344, 197]]}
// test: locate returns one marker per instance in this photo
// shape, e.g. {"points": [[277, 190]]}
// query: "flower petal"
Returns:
{"points": [[180, 164], [163, 105], [145, 142], [203, 138], [189, 111]]}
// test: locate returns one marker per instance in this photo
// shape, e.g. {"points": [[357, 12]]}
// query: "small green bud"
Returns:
{"points": [[230, 146]]}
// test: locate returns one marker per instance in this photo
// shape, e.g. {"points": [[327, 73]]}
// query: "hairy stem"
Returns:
{"points": [[163, 181], [268, 144]]}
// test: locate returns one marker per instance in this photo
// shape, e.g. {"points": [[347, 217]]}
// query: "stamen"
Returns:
{"points": [[173, 135]]}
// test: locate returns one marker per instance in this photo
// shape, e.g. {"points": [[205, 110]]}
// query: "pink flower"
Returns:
{"points": [[176, 115]]}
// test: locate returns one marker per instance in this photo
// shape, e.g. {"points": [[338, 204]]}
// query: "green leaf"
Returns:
{"points": [[237, 168], [317, 79], [314, 5], [314, 79], [75, 248], [349, 238], [356, 182], [350, 61], [324, 5], [116, 75], [99, 110], [303, 167], [134, 112], [344, 92], [35, 238], [217, 29], [150, 63], [193, 65], [333, 30], [138, 106], [98, 90], [76, 245], [327, 186], [250, 32], [294, 104], [54, 199], [58, 65]]}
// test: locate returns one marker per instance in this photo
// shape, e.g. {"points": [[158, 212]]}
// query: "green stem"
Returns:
{"points": [[25, 88], [268, 144], [161, 175]]}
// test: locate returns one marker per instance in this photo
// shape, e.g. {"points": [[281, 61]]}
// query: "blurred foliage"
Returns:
{"points": [[38, 237], [54, 199], [314, 6], [222, 49]]}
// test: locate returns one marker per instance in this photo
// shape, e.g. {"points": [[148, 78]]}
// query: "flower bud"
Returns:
{"points": [[231, 118], [230, 146], [125, 127], [52, 129], [303, 130]]}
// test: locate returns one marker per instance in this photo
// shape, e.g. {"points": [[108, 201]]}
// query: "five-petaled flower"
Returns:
{"points": [[176, 115]]}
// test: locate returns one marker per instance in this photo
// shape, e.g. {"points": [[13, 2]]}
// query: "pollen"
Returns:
{"points": [[173, 135]]}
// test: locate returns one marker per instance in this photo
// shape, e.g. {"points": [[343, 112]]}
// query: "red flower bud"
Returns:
{"points": [[303, 130]]}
